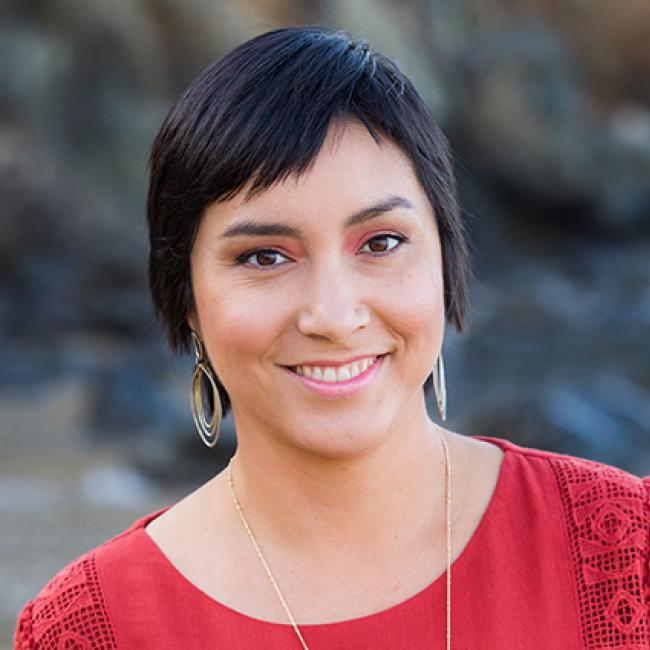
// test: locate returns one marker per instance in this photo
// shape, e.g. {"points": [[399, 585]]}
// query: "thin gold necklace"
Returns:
{"points": [[275, 584]]}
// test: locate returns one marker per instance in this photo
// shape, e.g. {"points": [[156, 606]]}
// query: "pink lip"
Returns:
{"points": [[341, 388]]}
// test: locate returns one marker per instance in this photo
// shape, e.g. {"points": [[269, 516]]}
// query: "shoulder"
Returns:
{"points": [[606, 515], [69, 611], [603, 506], [602, 502], [577, 476], [72, 610]]}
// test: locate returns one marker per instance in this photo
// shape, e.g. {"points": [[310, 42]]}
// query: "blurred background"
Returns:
{"points": [[547, 106]]}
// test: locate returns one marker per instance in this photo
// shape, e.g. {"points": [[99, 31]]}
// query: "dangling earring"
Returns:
{"points": [[208, 429], [439, 387]]}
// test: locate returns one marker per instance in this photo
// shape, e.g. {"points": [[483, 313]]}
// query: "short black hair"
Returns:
{"points": [[260, 114]]}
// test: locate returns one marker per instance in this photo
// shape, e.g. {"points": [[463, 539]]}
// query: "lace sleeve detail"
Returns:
{"points": [[70, 612], [607, 519], [23, 638], [646, 582]]}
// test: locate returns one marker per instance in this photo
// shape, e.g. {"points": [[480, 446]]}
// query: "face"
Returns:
{"points": [[339, 271]]}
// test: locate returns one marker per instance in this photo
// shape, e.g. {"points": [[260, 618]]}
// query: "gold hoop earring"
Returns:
{"points": [[440, 387], [208, 429]]}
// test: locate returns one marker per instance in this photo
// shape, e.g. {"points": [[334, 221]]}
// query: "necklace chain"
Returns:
{"points": [[265, 564]]}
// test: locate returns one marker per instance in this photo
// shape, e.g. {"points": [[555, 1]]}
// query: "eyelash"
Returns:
{"points": [[242, 259]]}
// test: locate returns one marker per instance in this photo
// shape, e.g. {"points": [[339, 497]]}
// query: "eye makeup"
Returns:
{"points": [[272, 253]]}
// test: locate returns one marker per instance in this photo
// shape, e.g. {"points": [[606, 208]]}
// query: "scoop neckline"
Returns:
{"points": [[470, 546]]}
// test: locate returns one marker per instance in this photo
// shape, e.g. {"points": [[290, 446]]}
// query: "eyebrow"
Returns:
{"points": [[255, 228]]}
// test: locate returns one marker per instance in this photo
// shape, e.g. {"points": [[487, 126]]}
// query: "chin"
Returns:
{"points": [[336, 440]]}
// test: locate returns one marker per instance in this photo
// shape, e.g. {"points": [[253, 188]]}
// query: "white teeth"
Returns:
{"points": [[343, 374], [340, 373]]}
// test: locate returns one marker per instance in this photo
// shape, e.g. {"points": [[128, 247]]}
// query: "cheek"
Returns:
{"points": [[415, 311], [237, 327], [416, 318], [421, 315], [228, 316]]}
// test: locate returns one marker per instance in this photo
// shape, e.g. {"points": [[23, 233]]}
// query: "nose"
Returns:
{"points": [[331, 308]]}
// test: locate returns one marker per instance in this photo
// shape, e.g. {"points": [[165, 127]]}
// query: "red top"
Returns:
{"points": [[560, 560]]}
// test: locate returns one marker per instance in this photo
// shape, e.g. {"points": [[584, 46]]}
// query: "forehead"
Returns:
{"points": [[350, 159], [352, 170]]}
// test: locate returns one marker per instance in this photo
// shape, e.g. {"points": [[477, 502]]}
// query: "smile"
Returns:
{"points": [[337, 381], [331, 374]]}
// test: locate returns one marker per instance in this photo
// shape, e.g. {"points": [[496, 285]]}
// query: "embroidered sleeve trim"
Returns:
{"points": [[607, 518], [70, 612], [646, 581]]}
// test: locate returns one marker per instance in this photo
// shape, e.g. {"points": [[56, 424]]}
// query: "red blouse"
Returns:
{"points": [[560, 559]]}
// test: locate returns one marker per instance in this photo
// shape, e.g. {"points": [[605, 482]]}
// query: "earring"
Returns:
{"points": [[439, 387], [208, 428]]}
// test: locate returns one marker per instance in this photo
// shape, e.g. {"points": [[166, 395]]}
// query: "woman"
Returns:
{"points": [[306, 244]]}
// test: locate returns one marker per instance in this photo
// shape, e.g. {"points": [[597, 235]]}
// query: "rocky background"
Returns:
{"points": [[547, 105]]}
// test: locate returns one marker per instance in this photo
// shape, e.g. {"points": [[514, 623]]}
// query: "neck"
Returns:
{"points": [[392, 494]]}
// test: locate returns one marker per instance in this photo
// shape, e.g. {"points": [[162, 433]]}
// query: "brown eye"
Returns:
{"points": [[265, 258], [262, 258], [382, 243]]}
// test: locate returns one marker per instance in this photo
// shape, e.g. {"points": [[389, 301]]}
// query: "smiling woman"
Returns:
{"points": [[247, 142], [306, 241], [316, 272]]}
